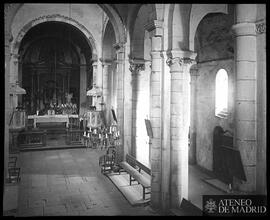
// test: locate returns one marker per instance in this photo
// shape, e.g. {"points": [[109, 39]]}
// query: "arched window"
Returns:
{"points": [[221, 107]]}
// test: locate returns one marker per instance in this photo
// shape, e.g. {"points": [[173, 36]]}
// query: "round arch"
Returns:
{"points": [[117, 23], [57, 18], [197, 13]]}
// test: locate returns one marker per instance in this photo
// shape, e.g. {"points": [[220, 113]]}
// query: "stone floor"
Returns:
{"points": [[69, 182]]}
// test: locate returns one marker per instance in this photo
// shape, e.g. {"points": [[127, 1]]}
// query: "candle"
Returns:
{"points": [[106, 136], [84, 133], [110, 129], [95, 131], [99, 135], [90, 129], [88, 135]]}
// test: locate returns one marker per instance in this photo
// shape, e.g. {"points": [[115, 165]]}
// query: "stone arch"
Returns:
{"points": [[117, 23], [58, 18], [197, 13], [179, 26]]}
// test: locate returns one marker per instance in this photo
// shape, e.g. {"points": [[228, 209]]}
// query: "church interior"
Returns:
{"points": [[132, 109]]}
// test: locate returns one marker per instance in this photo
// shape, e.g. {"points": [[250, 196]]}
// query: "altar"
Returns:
{"points": [[51, 118]]}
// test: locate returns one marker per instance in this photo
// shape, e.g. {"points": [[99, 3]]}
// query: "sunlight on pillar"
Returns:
{"points": [[142, 140]]}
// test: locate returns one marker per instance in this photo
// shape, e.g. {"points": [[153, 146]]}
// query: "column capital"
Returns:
{"points": [[244, 29], [154, 27], [260, 27], [181, 57], [136, 65], [106, 62], [94, 63], [119, 47], [194, 71], [14, 56]]}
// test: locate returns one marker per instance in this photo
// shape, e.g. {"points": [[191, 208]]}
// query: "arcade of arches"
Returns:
{"points": [[150, 61]]}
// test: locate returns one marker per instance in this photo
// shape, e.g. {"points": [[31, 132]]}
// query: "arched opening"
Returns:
{"points": [[109, 78], [221, 93], [54, 61], [139, 59]]}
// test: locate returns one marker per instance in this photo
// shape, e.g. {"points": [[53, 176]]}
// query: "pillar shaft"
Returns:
{"points": [[180, 122], [166, 136], [245, 101], [95, 64], [155, 118], [193, 113], [105, 86], [83, 80], [7, 105], [120, 100]]}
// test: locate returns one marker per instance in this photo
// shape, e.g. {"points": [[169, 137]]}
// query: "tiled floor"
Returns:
{"points": [[69, 182]]}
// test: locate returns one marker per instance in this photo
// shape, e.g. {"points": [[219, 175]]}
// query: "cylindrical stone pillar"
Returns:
{"points": [[193, 114], [105, 87], [180, 121], [95, 64], [120, 99], [83, 86], [245, 101], [155, 118], [7, 105]]}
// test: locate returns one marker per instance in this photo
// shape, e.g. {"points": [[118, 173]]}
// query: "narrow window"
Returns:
{"points": [[221, 108]]}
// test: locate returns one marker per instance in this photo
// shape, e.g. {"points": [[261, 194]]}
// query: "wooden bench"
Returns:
{"points": [[14, 175], [133, 168], [12, 162], [106, 162]]}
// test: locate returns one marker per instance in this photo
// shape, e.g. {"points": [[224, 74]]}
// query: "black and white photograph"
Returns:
{"points": [[132, 109]]}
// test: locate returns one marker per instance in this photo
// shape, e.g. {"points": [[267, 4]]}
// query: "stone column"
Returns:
{"points": [[166, 135], [136, 66], [261, 167], [95, 64], [180, 121], [7, 104], [97, 80], [155, 29], [245, 101], [105, 65], [193, 114], [120, 52], [83, 86], [14, 68]]}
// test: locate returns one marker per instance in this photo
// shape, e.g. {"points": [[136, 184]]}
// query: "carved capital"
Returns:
{"points": [[154, 27], [136, 66], [260, 27], [119, 47], [183, 60]]}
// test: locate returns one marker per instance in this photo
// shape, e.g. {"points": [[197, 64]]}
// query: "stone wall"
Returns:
{"points": [[206, 119], [215, 48]]}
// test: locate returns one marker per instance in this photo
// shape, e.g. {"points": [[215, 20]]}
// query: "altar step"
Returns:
{"points": [[51, 147], [53, 142]]}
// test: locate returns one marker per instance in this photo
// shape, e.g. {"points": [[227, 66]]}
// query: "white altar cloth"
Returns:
{"points": [[51, 118]]}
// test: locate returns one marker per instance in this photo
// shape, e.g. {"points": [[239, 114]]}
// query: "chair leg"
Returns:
{"points": [[143, 193]]}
